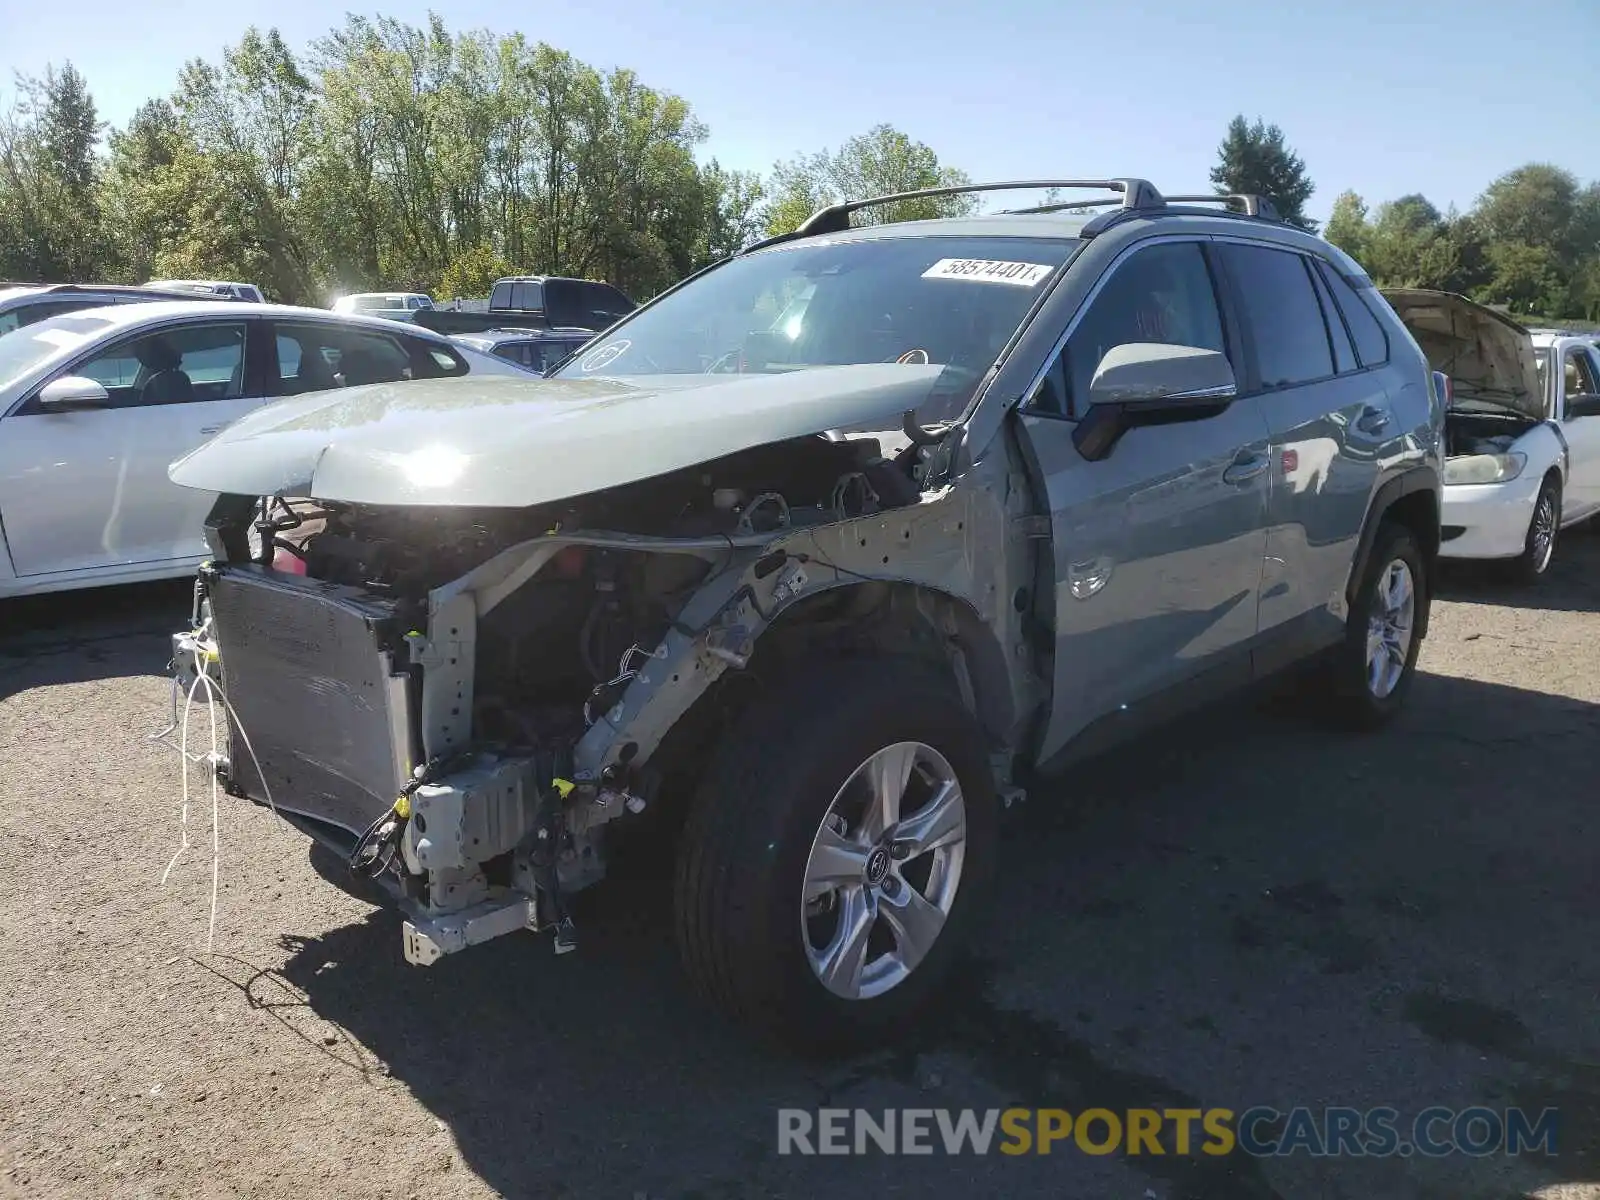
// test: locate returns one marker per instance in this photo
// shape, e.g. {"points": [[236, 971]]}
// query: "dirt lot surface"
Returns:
{"points": [[1247, 910]]}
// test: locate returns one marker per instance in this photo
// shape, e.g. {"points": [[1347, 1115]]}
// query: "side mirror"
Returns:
{"points": [[72, 392], [1585, 405], [1150, 383]]}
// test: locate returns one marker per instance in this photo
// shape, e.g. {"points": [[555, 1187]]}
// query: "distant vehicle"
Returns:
{"points": [[393, 306], [219, 287], [95, 404], [25, 303], [537, 302], [1522, 440], [537, 349]]}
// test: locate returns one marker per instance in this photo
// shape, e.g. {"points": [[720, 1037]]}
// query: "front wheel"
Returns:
{"points": [[1540, 547], [836, 854]]}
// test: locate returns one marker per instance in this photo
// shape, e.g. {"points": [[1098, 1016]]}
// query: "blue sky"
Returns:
{"points": [[1385, 98]]}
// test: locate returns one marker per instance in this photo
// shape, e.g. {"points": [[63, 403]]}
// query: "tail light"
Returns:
{"points": [[1443, 388]]}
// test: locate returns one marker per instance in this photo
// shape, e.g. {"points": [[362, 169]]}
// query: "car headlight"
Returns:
{"points": [[1484, 468]]}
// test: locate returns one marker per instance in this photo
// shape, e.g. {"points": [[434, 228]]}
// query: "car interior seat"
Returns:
{"points": [[167, 383]]}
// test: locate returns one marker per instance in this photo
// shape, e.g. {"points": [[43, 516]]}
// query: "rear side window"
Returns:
{"points": [[1282, 312], [1372, 343], [316, 357], [1344, 351]]}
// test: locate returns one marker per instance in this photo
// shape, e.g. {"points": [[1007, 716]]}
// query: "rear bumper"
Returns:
{"points": [[1493, 518]]}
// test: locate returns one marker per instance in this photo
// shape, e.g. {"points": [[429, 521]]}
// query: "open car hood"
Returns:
{"points": [[1489, 357], [503, 442]]}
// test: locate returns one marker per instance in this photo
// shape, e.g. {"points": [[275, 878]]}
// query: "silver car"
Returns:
{"points": [[95, 403], [817, 561]]}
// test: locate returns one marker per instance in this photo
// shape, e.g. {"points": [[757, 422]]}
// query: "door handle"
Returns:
{"points": [[1246, 468], [1372, 420], [211, 429]]}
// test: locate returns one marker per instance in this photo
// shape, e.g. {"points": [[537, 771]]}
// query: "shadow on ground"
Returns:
{"points": [[94, 633], [1245, 910], [1571, 585]]}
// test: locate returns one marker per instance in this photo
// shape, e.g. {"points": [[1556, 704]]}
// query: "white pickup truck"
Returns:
{"points": [[1522, 430]]}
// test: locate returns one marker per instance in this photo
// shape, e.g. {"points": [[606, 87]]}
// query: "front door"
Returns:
{"points": [[1581, 377], [1157, 547], [88, 489]]}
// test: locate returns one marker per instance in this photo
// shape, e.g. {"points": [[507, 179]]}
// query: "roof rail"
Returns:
{"points": [[835, 218], [1249, 204]]}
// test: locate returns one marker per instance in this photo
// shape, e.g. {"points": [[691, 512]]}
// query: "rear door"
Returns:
{"points": [[88, 489], [1330, 422], [1581, 376]]}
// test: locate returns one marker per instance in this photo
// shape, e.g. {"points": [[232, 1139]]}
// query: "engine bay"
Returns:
{"points": [[560, 650], [1483, 433]]}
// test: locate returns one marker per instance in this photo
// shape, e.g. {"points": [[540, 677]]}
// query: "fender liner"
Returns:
{"points": [[1390, 491]]}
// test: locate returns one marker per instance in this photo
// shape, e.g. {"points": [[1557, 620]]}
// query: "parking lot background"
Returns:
{"points": [[1244, 909]]}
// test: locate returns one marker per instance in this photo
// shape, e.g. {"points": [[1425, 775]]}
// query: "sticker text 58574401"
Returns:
{"points": [[988, 270]]}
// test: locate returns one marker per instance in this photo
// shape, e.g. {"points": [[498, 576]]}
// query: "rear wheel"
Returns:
{"points": [[836, 854], [1540, 547], [1372, 669]]}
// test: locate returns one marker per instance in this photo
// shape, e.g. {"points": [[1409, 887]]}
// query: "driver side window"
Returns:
{"points": [[1580, 374], [1163, 293]]}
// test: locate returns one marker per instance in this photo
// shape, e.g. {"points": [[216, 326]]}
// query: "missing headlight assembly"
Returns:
{"points": [[463, 703]]}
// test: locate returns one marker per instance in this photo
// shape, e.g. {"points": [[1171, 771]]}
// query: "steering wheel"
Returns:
{"points": [[723, 363]]}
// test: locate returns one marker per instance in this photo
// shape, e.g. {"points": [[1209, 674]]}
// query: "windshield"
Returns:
{"points": [[947, 301], [26, 349]]}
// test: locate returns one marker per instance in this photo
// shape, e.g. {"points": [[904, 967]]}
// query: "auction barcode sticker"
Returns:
{"points": [[989, 270]]}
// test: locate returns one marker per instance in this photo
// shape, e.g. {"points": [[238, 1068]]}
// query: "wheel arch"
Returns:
{"points": [[1411, 499]]}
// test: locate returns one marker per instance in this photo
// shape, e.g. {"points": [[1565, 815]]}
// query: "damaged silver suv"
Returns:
{"points": [[822, 556]]}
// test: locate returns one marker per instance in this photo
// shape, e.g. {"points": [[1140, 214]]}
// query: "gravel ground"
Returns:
{"points": [[1246, 910]]}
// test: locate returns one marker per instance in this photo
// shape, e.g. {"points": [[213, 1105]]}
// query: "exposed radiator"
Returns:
{"points": [[327, 708]]}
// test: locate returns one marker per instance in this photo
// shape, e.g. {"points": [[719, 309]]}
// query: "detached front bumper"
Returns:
{"points": [[1488, 520]]}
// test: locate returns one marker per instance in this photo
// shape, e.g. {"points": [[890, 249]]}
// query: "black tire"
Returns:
{"points": [[1537, 554], [1353, 701], [743, 856]]}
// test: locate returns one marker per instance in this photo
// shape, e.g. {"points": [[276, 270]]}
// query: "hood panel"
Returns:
{"points": [[495, 442], [1489, 357]]}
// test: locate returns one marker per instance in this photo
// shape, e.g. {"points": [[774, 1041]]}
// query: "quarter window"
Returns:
{"points": [[1161, 294]]}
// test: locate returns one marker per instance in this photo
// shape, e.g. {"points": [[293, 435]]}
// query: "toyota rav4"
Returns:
{"points": [[824, 556]]}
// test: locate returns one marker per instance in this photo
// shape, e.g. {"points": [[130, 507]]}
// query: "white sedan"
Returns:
{"points": [[1522, 430], [95, 404]]}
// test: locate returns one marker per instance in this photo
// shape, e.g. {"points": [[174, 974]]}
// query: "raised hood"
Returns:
{"points": [[503, 442], [1488, 356]]}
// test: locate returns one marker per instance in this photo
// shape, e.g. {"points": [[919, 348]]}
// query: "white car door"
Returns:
{"points": [[87, 489], [1580, 425]]}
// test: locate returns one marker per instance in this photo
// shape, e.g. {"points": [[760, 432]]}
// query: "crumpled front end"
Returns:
{"points": [[464, 702]]}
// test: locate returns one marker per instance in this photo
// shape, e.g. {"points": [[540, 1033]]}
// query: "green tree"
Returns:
{"points": [[49, 168], [472, 273], [1347, 226], [883, 161], [1254, 159]]}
